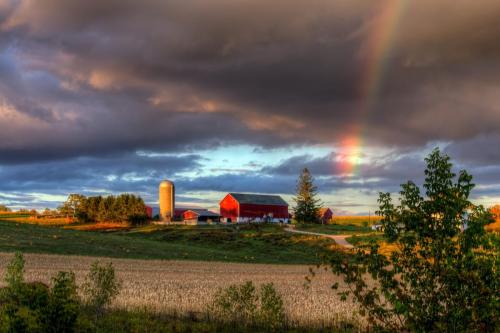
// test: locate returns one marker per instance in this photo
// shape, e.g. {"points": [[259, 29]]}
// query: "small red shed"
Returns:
{"points": [[200, 215], [325, 214], [243, 207], [149, 211]]}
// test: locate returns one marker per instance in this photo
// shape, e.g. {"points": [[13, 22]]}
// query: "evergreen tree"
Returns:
{"points": [[306, 204]]}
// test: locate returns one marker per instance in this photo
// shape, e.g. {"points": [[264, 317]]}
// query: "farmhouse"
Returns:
{"points": [[195, 216], [325, 214], [242, 207]]}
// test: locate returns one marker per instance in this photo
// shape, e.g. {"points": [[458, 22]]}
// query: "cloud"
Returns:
{"points": [[267, 74], [85, 82]]}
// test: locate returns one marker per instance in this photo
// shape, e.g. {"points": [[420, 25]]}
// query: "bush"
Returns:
{"points": [[137, 219], [64, 304], [14, 275], [444, 275], [34, 307], [272, 312], [101, 287], [241, 304]]}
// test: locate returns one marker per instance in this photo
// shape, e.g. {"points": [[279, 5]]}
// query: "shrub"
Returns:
{"points": [[14, 275], [64, 304], [242, 304], [443, 277], [272, 312], [100, 287], [137, 219], [237, 302]]}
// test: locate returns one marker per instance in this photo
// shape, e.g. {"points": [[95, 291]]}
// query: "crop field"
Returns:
{"points": [[189, 286]]}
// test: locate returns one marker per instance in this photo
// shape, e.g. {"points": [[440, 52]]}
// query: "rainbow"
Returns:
{"points": [[375, 60]]}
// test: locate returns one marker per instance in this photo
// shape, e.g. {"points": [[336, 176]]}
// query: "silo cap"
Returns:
{"points": [[166, 183]]}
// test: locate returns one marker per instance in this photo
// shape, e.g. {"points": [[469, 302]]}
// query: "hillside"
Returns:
{"points": [[255, 244]]}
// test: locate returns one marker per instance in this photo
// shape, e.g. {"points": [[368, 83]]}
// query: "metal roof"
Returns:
{"points": [[259, 199], [202, 212]]}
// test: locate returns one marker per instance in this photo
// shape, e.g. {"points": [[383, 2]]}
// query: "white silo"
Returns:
{"points": [[167, 200]]}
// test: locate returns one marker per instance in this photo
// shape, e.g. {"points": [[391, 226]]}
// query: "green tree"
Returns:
{"points": [[306, 203], [443, 275], [72, 205]]}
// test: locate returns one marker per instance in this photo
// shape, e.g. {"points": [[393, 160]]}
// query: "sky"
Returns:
{"points": [[111, 96]]}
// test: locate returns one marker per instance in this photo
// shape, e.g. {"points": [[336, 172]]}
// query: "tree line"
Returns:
{"points": [[122, 208]]}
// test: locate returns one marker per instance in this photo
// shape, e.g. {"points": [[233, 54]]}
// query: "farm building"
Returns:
{"points": [[149, 211], [325, 214], [195, 216], [241, 207]]}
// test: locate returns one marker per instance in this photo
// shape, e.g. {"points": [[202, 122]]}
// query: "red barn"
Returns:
{"points": [[241, 207], [149, 212], [195, 216], [325, 215]]}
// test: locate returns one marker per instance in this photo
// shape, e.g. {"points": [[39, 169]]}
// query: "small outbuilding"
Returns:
{"points": [[149, 211], [195, 216], [243, 207], [325, 215]]}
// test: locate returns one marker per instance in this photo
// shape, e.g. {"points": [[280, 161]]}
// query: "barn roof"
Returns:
{"points": [[259, 199], [323, 210], [203, 212]]}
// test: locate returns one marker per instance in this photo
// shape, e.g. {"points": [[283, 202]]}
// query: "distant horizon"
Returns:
{"points": [[110, 97]]}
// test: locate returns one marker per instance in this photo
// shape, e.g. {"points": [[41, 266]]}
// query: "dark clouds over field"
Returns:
{"points": [[84, 85]]}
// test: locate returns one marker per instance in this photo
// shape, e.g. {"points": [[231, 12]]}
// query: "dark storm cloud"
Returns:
{"points": [[482, 150], [86, 84], [92, 77]]}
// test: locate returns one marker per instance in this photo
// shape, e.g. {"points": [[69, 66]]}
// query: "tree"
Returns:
{"points": [[306, 204], [495, 211], [443, 275], [72, 204], [4, 208]]}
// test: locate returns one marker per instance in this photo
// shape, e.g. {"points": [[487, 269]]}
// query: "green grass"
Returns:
{"points": [[252, 244], [118, 320], [334, 229], [361, 240], [14, 215]]}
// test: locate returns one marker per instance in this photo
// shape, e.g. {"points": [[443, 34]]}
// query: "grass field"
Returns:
{"points": [[262, 244], [334, 229], [361, 221]]}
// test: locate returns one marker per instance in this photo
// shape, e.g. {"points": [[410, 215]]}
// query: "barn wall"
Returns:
{"points": [[229, 208], [190, 215], [254, 211]]}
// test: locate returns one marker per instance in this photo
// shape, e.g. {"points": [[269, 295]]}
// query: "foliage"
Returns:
{"points": [[63, 307], [242, 304], [101, 287], [14, 275], [34, 307], [444, 274], [123, 208], [495, 211], [307, 206], [272, 312], [4, 208]]}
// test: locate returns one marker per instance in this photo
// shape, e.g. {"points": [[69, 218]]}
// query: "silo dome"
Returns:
{"points": [[167, 200]]}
